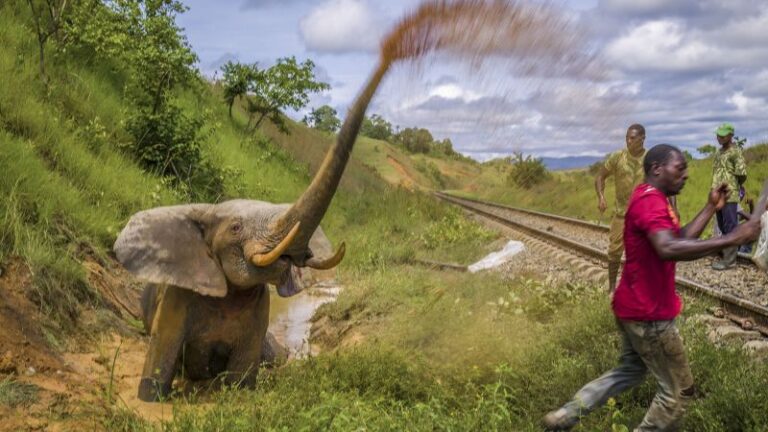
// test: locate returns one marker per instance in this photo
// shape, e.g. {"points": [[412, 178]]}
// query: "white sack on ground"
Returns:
{"points": [[760, 256], [495, 259]]}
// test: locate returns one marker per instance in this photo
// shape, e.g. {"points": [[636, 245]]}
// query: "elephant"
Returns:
{"points": [[207, 266]]}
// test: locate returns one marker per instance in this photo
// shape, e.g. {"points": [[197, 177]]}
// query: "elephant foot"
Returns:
{"points": [[151, 390], [273, 353]]}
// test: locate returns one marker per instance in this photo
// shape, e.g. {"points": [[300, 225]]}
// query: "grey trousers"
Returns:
{"points": [[653, 346]]}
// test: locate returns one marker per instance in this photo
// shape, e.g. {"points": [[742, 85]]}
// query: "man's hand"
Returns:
{"points": [[747, 232], [601, 205], [719, 196]]}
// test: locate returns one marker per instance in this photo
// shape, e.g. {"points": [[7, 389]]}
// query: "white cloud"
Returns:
{"points": [[339, 26], [745, 104], [454, 91], [664, 45]]}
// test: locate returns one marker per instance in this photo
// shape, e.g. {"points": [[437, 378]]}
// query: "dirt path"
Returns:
{"points": [[406, 180]]}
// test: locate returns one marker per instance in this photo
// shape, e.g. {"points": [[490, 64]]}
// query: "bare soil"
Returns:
{"points": [[82, 377], [406, 180], [75, 383]]}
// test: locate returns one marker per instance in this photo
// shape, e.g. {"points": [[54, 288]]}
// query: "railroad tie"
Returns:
{"points": [[723, 331]]}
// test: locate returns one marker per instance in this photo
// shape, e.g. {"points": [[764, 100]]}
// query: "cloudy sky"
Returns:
{"points": [[679, 67]]}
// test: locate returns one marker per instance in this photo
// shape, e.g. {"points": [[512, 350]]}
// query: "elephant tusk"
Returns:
{"points": [[329, 263], [265, 259]]}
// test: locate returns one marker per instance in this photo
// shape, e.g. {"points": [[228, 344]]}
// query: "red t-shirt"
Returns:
{"points": [[646, 291]]}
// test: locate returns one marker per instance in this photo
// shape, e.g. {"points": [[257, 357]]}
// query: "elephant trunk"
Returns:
{"points": [[310, 208]]}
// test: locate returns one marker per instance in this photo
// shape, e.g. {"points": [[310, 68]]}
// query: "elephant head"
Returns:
{"points": [[213, 248]]}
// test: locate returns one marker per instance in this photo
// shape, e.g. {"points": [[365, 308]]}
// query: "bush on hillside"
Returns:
{"points": [[527, 171], [429, 169], [755, 154], [324, 118], [376, 127], [143, 39], [707, 150]]}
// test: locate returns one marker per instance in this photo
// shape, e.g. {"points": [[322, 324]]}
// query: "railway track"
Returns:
{"points": [[599, 228], [551, 229]]}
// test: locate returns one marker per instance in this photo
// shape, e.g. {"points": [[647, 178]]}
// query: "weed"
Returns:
{"points": [[14, 393]]}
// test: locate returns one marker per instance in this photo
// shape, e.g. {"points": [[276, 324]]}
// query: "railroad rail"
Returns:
{"points": [[602, 228], [747, 314]]}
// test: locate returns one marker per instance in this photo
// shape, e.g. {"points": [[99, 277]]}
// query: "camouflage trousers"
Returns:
{"points": [[654, 346], [616, 239]]}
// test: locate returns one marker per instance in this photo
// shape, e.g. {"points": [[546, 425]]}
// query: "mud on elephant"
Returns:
{"points": [[206, 307]]}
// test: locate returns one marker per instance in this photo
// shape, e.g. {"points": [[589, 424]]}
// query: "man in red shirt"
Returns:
{"points": [[646, 303]]}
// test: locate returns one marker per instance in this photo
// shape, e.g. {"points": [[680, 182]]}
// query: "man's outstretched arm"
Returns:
{"points": [[716, 201], [673, 248], [687, 247]]}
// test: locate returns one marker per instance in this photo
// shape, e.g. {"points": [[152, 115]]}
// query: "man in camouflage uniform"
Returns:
{"points": [[728, 167], [626, 167]]}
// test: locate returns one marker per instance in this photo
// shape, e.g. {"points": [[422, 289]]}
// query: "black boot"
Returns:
{"points": [[729, 259]]}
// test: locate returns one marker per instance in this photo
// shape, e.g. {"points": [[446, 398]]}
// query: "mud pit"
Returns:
{"points": [[72, 391]]}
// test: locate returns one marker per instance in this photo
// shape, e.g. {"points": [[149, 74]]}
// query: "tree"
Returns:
{"points": [[415, 140], [287, 84], [444, 147], [141, 37], [376, 127], [707, 150], [323, 118], [47, 16], [238, 79]]}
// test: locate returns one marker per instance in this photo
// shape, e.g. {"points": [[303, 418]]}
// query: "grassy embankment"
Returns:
{"points": [[572, 192], [442, 351]]}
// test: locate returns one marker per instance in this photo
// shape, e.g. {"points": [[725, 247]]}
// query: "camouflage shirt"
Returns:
{"points": [[627, 172], [726, 165]]}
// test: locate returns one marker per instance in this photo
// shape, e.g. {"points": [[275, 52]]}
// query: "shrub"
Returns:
{"points": [[527, 171], [758, 153], [429, 169]]}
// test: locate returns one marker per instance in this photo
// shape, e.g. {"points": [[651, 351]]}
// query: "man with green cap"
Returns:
{"points": [[728, 167], [626, 167]]}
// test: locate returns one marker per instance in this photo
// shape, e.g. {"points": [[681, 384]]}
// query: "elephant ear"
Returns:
{"points": [[166, 245]]}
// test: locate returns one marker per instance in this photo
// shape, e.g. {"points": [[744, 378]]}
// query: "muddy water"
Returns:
{"points": [[289, 317]]}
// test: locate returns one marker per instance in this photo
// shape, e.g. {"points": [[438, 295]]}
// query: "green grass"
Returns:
{"points": [[14, 393], [445, 358], [441, 350]]}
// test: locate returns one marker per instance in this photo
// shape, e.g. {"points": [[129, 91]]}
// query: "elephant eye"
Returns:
{"points": [[236, 228]]}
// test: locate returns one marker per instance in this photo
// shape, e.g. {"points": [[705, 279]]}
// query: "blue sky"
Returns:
{"points": [[678, 67]]}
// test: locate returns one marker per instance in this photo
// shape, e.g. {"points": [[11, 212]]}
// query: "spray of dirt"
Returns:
{"points": [[529, 61], [473, 30]]}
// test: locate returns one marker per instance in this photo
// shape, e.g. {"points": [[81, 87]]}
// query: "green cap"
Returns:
{"points": [[724, 129]]}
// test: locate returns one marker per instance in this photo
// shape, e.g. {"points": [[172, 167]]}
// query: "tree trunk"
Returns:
{"points": [[41, 43], [158, 94], [258, 122], [41, 38]]}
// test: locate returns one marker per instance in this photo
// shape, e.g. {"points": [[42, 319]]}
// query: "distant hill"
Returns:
{"points": [[569, 162]]}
